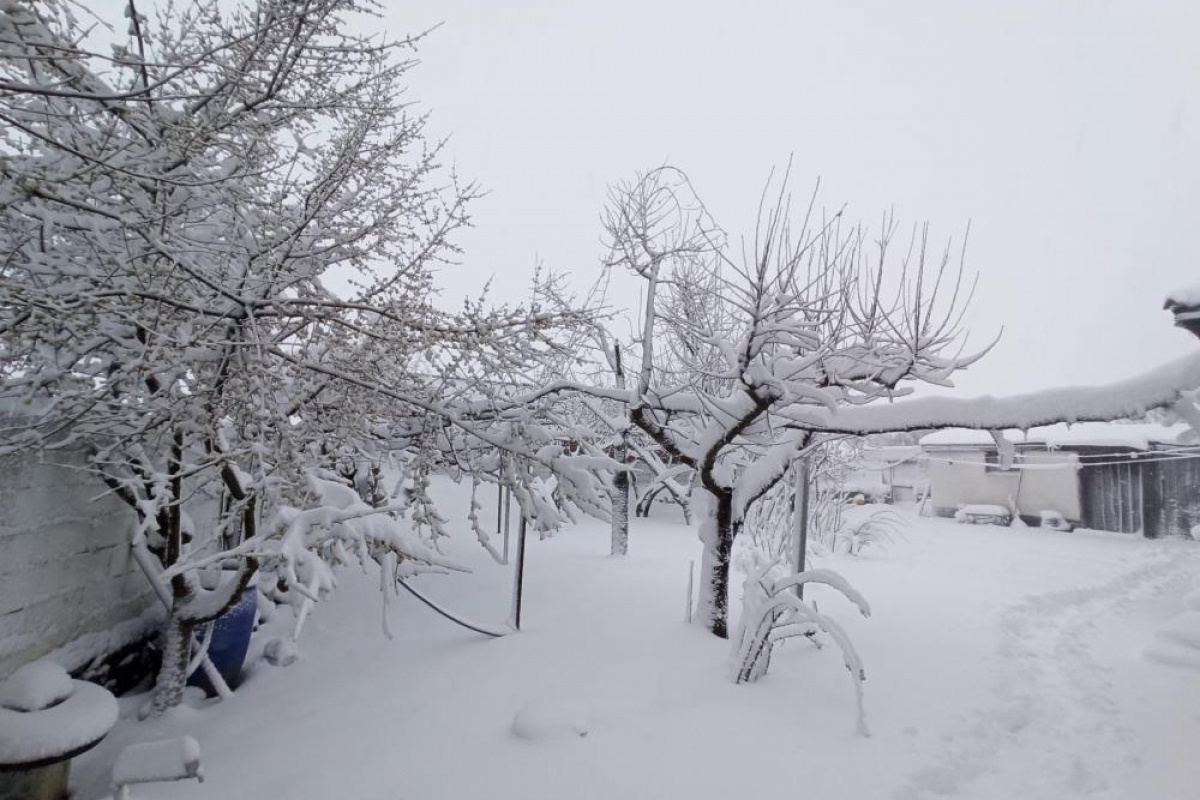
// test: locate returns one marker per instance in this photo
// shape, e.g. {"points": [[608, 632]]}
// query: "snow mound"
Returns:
{"points": [[1174, 655], [1183, 629], [1192, 600], [281, 652], [541, 721], [35, 686]]}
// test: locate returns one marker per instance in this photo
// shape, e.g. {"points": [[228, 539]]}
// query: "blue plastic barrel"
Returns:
{"points": [[230, 642]]}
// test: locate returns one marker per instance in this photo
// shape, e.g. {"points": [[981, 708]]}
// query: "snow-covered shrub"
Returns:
{"points": [[863, 527], [770, 522], [772, 612]]}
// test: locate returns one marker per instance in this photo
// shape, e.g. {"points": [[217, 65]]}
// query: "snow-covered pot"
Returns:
{"points": [[46, 719], [230, 641]]}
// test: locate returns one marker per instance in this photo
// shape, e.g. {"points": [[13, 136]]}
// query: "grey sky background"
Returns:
{"points": [[1067, 133]]}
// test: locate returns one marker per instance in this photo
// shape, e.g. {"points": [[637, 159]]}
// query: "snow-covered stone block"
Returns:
{"points": [[154, 762]]}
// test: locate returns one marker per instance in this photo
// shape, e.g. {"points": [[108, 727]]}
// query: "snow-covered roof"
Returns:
{"points": [[881, 458], [890, 452], [1138, 436]]}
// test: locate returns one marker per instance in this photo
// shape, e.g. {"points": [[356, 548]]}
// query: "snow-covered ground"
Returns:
{"points": [[1001, 663]]}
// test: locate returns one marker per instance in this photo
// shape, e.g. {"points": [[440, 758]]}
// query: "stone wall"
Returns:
{"points": [[65, 563]]}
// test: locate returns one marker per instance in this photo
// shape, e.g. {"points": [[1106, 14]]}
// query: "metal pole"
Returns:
{"points": [[691, 584], [519, 584], [499, 507], [507, 518], [800, 517]]}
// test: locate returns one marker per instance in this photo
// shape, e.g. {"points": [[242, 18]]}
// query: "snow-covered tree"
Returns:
{"points": [[173, 214], [817, 329], [812, 314], [654, 228]]}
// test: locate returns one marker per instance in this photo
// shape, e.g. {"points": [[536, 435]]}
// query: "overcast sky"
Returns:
{"points": [[1067, 133]]}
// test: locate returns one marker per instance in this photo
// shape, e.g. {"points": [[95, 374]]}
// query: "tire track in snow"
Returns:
{"points": [[1052, 729]]}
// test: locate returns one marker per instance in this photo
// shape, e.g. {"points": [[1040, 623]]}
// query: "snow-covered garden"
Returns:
{"points": [[1000, 663], [329, 535]]}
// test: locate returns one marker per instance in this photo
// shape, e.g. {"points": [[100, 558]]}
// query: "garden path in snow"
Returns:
{"points": [[1053, 725]]}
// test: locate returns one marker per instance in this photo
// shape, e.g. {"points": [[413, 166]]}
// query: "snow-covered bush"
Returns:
{"points": [[863, 526], [772, 611]]}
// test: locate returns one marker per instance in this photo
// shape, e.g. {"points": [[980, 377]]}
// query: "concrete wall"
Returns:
{"points": [[968, 481], [65, 566]]}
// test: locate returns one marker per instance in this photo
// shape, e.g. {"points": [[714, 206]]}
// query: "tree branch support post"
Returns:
{"points": [[800, 518], [503, 514], [519, 578], [687, 617]]}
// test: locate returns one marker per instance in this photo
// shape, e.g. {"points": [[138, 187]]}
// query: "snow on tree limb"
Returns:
{"points": [[1162, 386]]}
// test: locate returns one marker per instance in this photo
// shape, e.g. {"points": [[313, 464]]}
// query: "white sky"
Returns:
{"points": [[1066, 132]]}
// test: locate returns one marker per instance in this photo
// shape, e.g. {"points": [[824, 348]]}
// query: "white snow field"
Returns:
{"points": [[1001, 663]]}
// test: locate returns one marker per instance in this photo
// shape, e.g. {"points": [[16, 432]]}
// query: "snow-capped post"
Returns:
{"points": [[800, 517]]}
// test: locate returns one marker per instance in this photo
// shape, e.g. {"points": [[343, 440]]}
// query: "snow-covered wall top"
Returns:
{"points": [[1138, 436]]}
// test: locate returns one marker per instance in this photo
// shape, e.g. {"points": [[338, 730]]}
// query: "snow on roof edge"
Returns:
{"points": [[1137, 436]]}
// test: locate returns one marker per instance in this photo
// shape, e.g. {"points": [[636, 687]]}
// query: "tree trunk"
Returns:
{"points": [[620, 514], [172, 675], [716, 532]]}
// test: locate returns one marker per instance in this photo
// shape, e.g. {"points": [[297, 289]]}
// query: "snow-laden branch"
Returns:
{"points": [[1132, 397]]}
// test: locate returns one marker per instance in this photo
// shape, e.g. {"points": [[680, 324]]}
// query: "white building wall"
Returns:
{"points": [[1053, 489], [905, 479], [65, 563], [966, 481]]}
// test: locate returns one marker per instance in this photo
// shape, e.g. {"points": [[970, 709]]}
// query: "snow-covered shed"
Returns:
{"points": [[886, 473], [1127, 477]]}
